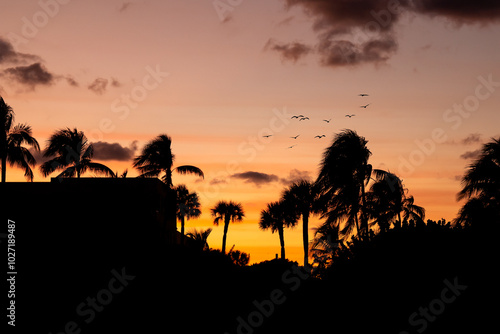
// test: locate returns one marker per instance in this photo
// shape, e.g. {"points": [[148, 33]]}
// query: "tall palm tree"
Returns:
{"points": [[188, 206], [72, 153], [342, 180], [301, 197], [227, 212], [481, 187], [157, 158], [11, 141], [387, 199], [276, 217]]}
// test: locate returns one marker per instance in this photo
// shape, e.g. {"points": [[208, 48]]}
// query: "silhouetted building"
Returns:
{"points": [[72, 233]]}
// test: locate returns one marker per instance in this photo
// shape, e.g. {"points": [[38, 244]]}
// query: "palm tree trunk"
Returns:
{"points": [[182, 230], [168, 175], [305, 236], [364, 221], [226, 226], [4, 168], [282, 242], [356, 220]]}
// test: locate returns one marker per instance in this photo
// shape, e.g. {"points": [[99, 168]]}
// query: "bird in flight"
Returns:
{"points": [[327, 120], [295, 137], [267, 136], [291, 146], [303, 118], [363, 94], [365, 106], [320, 136], [297, 116], [350, 115]]}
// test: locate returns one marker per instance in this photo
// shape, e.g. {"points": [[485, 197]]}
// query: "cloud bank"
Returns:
{"points": [[354, 32]]}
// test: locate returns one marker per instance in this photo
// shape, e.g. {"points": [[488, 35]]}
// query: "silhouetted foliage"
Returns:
{"points": [[188, 206], [481, 188], [276, 217], [227, 212], [72, 153], [11, 140], [301, 198], [156, 158], [341, 182]]}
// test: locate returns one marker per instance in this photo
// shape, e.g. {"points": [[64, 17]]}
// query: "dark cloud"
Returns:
{"points": [[114, 151], [295, 176], [9, 56], [288, 51], [460, 11], [31, 75], [471, 154], [354, 32], [98, 86], [472, 139], [256, 178]]}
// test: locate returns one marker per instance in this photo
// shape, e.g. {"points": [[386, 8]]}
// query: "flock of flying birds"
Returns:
{"points": [[305, 118]]}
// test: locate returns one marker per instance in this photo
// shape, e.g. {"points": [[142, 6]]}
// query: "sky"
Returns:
{"points": [[217, 76]]}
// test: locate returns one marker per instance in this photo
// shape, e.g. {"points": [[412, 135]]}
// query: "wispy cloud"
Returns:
{"points": [[471, 154], [296, 175], [98, 86], [473, 138], [9, 56], [124, 6], [288, 51]]}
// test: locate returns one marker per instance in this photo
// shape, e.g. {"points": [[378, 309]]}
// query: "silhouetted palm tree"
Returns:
{"points": [[344, 174], [73, 154], [276, 217], [325, 244], [157, 158], [387, 199], [239, 258], [200, 238], [301, 197], [481, 187], [227, 212], [188, 206], [120, 176], [11, 141]]}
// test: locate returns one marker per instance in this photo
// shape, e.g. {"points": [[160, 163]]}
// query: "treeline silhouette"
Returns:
{"points": [[377, 265]]}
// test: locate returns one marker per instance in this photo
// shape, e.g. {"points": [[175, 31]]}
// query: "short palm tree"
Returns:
{"points": [[72, 153], [188, 206], [481, 187], [276, 217], [156, 158], [387, 199], [200, 238], [342, 180], [11, 141], [302, 199], [227, 212]]}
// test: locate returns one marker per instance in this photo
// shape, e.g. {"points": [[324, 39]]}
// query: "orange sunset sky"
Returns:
{"points": [[217, 76]]}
